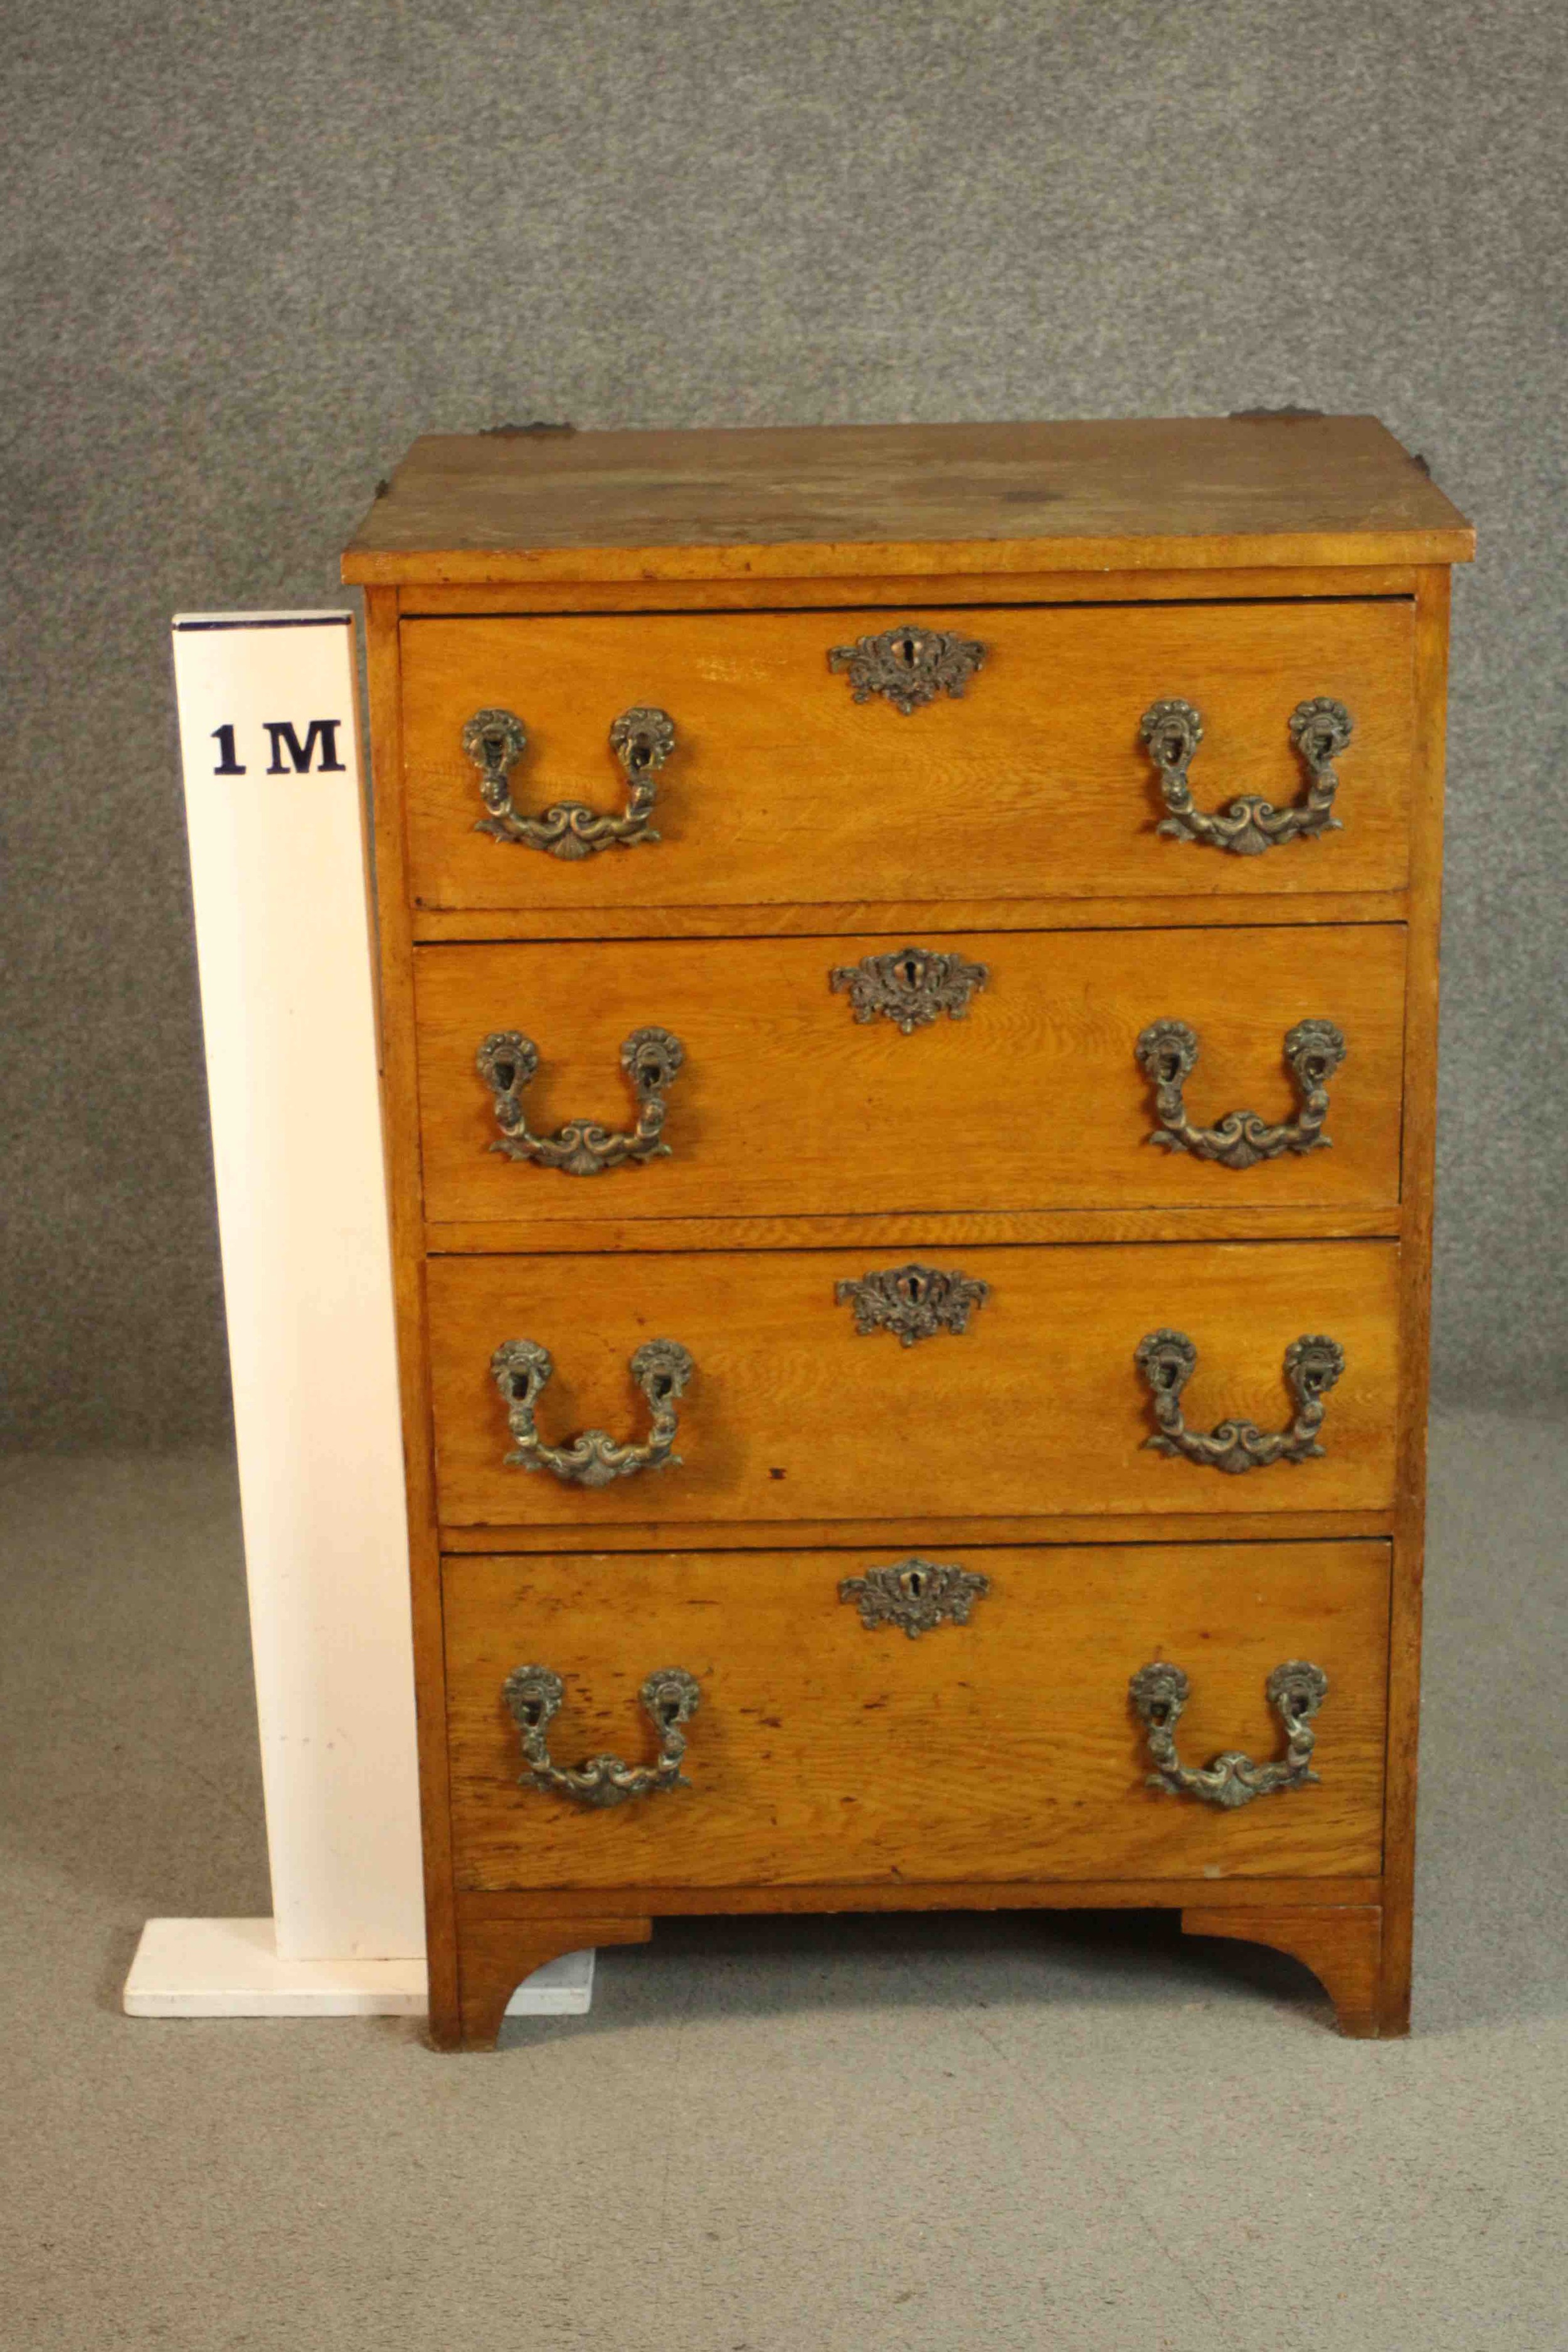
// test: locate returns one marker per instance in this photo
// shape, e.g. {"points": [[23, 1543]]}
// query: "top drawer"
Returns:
{"points": [[1035, 782]]}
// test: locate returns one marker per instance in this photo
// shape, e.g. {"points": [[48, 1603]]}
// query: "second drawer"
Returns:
{"points": [[997, 1071]]}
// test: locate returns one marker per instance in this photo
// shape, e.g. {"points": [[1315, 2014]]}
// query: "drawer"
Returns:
{"points": [[787, 1103], [825, 1751], [781, 788], [792, 1411]]}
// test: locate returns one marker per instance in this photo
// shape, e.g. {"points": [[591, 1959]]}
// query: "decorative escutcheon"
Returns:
{"points": [[660, 1369], [909, 665], [911, 1301], [911, 987], [1168, 1052], [651, 1058], [641, 740], [917, 1595], [1319, 729], [1296, 1691], [1167, 1361], [669, 1699]]}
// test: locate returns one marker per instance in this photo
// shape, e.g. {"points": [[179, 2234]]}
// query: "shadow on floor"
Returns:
{"points": [[816, 1964]]}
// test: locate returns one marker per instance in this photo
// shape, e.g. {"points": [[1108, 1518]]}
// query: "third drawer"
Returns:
{"points": [[849, 1384]]}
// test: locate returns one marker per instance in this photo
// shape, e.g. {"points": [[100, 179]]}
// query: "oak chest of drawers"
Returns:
{"points": [[869, 1391]]}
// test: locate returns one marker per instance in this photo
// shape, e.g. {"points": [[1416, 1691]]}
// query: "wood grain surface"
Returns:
{"points": [[820, 1750], [788, 1106], [1037, 1407], [1190, 491], [399, 1099], [950, 1526], [783, 788], [1415, 1304], [538, 1905], [914, 918], [961, 1230], [739, 592]]}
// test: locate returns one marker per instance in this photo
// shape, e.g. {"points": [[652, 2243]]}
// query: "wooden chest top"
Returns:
{"points": [[1135, 494]]}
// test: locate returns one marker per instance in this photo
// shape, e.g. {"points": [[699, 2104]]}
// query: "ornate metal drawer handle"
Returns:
{"points": [[911, 1301], [670, 1697], [1296, 1692], [1168, 1051], [1319, 729], [916, 1595], [910, 988], [909, 665], [651, 1058], [660, 1368], [1167, 1361], [641, 740]]}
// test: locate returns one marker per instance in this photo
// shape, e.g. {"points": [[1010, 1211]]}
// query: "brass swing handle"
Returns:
{"points": [[1319, 729], [1296, 1691], [660, 1369], [651, 1058], [669, 1699], [1167, 1361], [641, 738], [1168, 1052]]}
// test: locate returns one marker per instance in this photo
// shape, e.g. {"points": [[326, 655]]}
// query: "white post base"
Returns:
{"points": [[230, 1968]]}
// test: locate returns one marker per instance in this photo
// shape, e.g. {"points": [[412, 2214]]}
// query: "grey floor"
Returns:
{"points": [[871, 2134]]}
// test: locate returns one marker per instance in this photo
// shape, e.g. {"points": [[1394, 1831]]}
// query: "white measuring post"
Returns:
{"points": [[270, 746]]}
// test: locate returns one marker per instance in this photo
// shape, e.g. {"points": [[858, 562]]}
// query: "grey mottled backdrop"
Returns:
{"points": [[254, 248]]}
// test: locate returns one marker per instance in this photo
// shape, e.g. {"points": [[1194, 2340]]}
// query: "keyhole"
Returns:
{"points": [[909, 971], [506, 1076], [907, 652], [915, 1583]]}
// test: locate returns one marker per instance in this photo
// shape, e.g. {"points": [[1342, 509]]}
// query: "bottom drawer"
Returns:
{"points": [[823, 1751]]}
